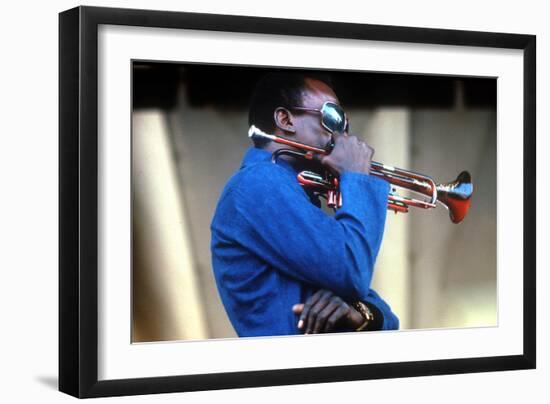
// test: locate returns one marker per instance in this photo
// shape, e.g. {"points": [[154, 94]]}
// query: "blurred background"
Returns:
{"points": [[189, 134]]}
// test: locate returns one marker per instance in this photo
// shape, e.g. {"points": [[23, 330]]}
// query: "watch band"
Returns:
{"points": [[364, 310]]}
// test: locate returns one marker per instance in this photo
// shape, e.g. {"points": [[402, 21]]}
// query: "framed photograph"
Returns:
{"points": [[252, 202]]}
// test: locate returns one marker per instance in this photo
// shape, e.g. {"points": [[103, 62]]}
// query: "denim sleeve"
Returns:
{"points": [[272, 217], [389, 319]]}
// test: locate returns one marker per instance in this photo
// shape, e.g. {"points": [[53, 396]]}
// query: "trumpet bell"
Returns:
{"points": [[456, 196]]}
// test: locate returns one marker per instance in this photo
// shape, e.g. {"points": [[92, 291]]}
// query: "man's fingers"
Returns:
{"points": [[324, 315], [297, 308], [314, 309], [370, 149], [305, 310], [334, 318]]}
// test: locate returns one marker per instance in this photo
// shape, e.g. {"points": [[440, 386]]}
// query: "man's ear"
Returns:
{"points": [[284, 120]]}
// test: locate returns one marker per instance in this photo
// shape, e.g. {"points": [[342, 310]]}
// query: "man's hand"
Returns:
{"points": [[349, 154], [324, 311]]}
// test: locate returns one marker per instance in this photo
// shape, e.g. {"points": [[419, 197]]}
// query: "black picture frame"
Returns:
{"points": [[78, 201]]}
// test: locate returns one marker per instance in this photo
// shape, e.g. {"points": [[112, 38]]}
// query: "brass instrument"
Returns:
{"points": [[455, 196]]}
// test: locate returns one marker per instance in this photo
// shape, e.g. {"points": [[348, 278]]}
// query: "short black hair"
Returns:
{"points": [[278, 89]]}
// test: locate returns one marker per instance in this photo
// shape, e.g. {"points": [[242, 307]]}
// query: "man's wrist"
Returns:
{"points": [[366, 313]]}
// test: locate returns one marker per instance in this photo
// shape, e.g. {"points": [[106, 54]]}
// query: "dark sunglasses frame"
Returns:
{"points": [[327, 104]]}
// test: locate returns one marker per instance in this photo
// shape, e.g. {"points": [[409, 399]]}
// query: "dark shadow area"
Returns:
{"points": [[230, 87]]}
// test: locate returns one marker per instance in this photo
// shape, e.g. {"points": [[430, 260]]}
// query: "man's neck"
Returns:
{"points": [[298, 164]]}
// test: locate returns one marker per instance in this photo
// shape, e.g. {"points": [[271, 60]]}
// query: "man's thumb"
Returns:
{"points": [[318, 157]]}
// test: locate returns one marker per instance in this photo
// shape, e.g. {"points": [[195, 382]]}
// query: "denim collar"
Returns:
{"points": [[255, 155]]}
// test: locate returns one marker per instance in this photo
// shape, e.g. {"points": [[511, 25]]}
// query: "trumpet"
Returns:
{"points": [[455, 196]]}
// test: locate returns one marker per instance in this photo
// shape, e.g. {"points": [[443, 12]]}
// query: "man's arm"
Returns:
{"points": [[270, 215], [325, 312]]}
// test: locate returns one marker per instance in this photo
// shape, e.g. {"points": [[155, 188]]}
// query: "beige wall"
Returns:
{"points": [[454, 266], [166, 295]]}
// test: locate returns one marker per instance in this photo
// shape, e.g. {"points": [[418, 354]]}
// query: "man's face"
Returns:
{"points": [[307, 124]]}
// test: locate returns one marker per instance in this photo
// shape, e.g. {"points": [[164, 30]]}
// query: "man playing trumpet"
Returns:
{"points": [[282, 265]]}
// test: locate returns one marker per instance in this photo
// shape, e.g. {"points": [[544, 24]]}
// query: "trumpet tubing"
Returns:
{"points": [[455, 196]]}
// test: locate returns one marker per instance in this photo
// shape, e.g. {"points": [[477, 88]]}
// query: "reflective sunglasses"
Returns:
{"points": [[333, 117]]}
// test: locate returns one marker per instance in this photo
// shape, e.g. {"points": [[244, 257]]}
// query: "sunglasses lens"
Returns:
{"points": [[334, 117]]}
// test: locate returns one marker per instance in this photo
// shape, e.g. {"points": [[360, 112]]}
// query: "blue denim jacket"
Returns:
{"points": [[272, 247]]}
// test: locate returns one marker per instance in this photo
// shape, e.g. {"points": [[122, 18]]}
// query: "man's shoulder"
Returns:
{"points": [[254, 185]]}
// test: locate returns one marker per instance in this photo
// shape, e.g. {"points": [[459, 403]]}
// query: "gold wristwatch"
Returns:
{"points": [[365, 312]]}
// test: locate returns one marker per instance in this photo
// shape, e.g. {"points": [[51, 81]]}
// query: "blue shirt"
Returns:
{"points": [[272, 247]]}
